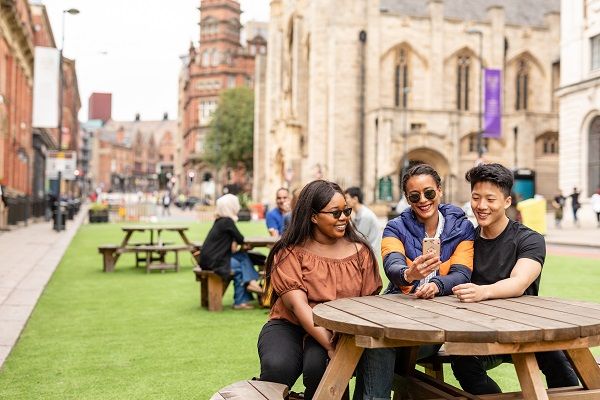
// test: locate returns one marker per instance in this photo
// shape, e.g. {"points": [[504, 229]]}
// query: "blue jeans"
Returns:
{"points": [[243, 273], [375, 371]]}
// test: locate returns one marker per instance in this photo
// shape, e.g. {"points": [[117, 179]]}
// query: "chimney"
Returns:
{"points": [[166, 116], [137, 117]]}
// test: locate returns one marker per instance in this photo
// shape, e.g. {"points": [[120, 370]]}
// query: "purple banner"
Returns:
{"points": [[492, 111]]}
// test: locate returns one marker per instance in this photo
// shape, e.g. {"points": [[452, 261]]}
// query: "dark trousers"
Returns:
{"points": [[470, 371], [286, 351]]}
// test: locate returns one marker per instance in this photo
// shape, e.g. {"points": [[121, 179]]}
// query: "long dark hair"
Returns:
{"points": [[311, 200]]}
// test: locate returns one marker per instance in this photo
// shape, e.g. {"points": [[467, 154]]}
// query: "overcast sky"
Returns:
{"points": [[132, 49]]}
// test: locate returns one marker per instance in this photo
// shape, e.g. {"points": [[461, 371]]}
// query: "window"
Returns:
{"points": [[550, 145], [595, 52], [205, 58], [462, 82], [207, 108], [401, 87], [485, 142], [216, 58], [231, 81], [522, 86]]}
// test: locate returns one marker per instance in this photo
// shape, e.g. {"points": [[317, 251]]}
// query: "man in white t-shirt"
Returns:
{"points": [[363, 218]]}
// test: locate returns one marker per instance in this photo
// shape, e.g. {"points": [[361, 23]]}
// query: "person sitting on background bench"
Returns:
{"points": [[321, 257], [275, 218], [507, 263], [222, 253]]}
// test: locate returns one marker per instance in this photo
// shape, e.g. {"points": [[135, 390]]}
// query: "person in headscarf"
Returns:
{"points": [[222, 252]]}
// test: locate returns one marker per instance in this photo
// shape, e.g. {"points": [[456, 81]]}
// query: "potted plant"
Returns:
{"points": [[98, 212], [244, 214]]}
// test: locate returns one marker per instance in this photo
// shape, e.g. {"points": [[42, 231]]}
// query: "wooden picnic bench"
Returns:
{"points": [[152, 253], [252, 390], [212, 287]]}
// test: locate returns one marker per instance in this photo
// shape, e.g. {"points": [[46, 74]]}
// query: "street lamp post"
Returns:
{"points": [[480, 132], [58, 222]]}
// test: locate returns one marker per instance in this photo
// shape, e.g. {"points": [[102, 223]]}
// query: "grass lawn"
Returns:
{"points": [[132, 335]]}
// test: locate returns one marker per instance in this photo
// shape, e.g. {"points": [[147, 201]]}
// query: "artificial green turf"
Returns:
{"points": [[132, 335]]}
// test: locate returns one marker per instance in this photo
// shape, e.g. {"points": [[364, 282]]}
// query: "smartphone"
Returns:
{"points": [[431, 245]]}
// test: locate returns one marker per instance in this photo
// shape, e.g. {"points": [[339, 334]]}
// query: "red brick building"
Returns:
{"points": [[136, 155], [99, 106], [16, 87], [23, 149], [219, 62]]}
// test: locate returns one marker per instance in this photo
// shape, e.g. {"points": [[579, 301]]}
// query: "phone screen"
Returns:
{"points": [[431, 244]]}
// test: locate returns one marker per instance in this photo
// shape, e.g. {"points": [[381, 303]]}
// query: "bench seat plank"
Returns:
{"points": [[252, 390]]}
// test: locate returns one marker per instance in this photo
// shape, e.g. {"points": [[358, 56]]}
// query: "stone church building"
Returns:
{"points": [[355, 91]]}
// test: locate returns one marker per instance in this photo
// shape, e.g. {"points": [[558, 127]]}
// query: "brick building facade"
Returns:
{"points": [[22, 148], [136, 155], [218, 63]]}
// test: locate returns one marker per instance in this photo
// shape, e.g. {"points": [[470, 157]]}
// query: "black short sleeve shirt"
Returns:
{"points": [[495, 258]]}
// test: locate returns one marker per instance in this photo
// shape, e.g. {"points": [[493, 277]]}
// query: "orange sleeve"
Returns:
{"points": [[391, 245]]}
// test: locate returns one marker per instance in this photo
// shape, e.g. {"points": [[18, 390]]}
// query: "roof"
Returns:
{"points": [[148, 129], [518, 12]]}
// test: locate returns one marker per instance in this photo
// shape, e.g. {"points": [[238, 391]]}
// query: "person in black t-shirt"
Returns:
{"points": [[507, 263]]}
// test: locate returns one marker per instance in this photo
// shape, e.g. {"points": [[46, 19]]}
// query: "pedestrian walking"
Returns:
{"points": [[166, 202], [558, 203], [575, 205], [595, 202]]}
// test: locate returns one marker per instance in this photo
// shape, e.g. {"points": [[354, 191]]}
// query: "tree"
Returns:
{"points": [[229, 140]]}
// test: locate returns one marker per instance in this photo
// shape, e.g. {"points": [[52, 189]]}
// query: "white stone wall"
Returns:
{"points": [[579, 94]]}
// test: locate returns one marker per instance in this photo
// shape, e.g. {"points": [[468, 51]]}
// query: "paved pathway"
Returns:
{"points": [[29, 255]]}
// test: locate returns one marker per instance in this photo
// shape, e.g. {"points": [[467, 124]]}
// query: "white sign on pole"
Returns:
{"points": [[64, 161], [45, 87]]}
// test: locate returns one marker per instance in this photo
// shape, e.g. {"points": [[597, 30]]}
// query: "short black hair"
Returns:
{"points": [[355, 191], [496, 174], [421, 169]]}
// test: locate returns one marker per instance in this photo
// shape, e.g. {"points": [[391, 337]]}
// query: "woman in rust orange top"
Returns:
{"points": [[319, 258]]}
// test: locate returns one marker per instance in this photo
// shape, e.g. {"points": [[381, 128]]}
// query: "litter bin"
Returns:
{"points": [[533, 214], [63, 219]]}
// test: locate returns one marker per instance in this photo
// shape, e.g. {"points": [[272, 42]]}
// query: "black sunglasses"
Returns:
{"points": [[337, 213], [429, 194]]}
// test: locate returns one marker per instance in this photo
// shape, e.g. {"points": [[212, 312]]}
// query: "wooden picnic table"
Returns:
{"points": [[260, 241], [130, 230], [519, 327], [155, 249]]}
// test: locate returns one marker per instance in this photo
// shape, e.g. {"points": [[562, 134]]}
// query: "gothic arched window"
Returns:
{"points": [[522, 86], [401, 87], [462, 82]]}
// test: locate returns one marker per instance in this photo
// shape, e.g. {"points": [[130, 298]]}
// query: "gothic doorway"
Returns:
{"points": [[437, 161]]}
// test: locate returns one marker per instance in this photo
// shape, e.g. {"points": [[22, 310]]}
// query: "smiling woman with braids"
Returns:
{"points": [[319, 258]]}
